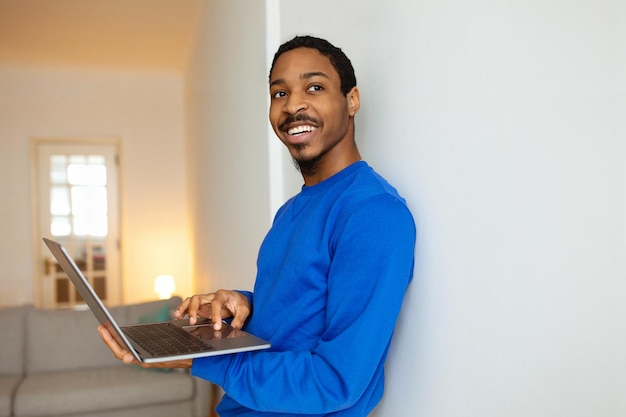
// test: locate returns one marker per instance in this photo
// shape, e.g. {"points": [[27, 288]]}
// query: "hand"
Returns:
{"points": [[216, 306], [126, 357]]}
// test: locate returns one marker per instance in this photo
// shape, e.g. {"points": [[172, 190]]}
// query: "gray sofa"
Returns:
{"points": [[53, 363]]}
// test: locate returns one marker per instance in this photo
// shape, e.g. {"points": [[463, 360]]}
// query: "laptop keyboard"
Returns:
{"points": [[165, 339]]}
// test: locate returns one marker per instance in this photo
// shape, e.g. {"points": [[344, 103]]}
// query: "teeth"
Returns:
{"points": [[301, 129]]}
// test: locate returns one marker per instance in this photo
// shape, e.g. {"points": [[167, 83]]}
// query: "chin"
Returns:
{"points": [[307, 166]]}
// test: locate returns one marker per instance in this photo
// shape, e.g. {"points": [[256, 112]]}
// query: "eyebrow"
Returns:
{"points": [[304, 76]]}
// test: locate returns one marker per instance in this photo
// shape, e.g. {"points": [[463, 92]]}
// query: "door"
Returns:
{"points": [[78, 206]]}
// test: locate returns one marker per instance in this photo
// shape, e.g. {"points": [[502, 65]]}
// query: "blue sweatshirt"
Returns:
{"points": [[332, 273]]}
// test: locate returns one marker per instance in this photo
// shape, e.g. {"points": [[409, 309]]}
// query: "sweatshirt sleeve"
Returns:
{"points": [[371, 268]]}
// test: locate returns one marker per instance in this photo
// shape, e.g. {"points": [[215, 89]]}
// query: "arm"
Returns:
{"points": [[371, 267]]}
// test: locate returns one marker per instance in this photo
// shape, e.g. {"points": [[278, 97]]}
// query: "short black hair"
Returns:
{"points": [[337, 58]]}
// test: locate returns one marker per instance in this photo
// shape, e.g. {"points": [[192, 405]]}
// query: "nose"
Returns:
{"points": [[296, 102]]}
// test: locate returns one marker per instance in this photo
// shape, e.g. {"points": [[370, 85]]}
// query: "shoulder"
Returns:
{"points": [[368, 187], [372, 201], [365, 182]]}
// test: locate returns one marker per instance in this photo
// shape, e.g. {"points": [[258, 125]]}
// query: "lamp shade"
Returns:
{"points": [[164, 286]]}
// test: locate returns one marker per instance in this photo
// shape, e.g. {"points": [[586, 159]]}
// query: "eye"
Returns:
{"points": [[315, 87], [279, 94]]}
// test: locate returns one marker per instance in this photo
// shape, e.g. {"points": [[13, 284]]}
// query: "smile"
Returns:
{"points": [[301, 129]]}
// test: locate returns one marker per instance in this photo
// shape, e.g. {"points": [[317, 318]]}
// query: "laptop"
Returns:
{"points": [[161, 341]]}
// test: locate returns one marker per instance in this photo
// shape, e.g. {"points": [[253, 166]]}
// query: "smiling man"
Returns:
{"points": [[332, 270], [312, 114]]}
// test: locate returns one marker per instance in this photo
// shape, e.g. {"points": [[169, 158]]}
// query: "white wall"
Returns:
{"points": [[142, 108], [503, 125], [228, 147]]}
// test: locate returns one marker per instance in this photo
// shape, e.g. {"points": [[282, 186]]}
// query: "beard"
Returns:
{"points": [[307, 167]]}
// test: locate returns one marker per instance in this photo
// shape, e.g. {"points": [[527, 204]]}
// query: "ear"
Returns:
{"points": [[354, 101]]}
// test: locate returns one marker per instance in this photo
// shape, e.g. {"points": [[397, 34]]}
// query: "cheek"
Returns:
{"points": [[273, 121], [338, 116]]}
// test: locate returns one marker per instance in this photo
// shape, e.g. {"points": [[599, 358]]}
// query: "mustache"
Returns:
{"points": [[300, 117]]}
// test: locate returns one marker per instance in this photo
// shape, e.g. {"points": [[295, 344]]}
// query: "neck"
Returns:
{"points": [[327, 166]]}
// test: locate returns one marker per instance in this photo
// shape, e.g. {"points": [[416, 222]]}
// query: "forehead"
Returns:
{"points": [[298, 62]]}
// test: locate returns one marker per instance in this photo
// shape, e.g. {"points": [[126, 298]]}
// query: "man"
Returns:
{"points": [[332, 270]]}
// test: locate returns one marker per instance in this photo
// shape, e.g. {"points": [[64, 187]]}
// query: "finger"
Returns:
{"points": [[181, 310], [194, 308], [216, 313], [119, 352], [241, 314]]}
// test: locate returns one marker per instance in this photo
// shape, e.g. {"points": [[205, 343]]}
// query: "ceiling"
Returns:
{"points": [[110, 33]]}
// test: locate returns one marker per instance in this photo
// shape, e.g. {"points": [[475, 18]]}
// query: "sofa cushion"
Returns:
{"points": [[93, 390], [12, 323], [64, 340], [8, 385], [176, 409]]}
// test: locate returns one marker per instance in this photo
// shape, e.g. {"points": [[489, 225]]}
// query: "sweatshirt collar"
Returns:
{"points": [[332, 180]]}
